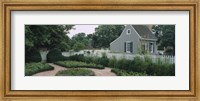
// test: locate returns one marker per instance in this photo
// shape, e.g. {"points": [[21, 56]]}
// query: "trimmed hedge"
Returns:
{"points": [[140, 65], [55, 55], [96, 60], [32, 56], [76, 64], [120, 72], [76, 72], [33, 68]]}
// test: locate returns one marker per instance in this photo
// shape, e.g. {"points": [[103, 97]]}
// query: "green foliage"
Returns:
{"points": [[78, 46], [104, 60], [124, 64], [168, 51], [76, 64], [105, 34], [141, 65], [33, 68], [55, 55], [167, 38], [32, 56], [120, 72], [112, 62], [77, 57], [46, 36], [76, 72], [80, 41]]}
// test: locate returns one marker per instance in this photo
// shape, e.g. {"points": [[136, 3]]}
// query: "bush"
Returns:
{"points": [[55, 55], [78, 46], [77, 57], [104, 60], [169, 51], [140, 65], [119, 72], [76, 72], [112, 62], [124, 64], [33, 68], [88, 60], [76, 64], [32, 56]]}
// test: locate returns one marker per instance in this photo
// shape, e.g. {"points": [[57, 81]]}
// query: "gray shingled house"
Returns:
{"points": [[135, 39]]}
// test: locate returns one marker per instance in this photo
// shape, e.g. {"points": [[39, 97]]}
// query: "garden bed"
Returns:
{"points": [[76, 64], [33, 68], [119, 72], [76, 72]]}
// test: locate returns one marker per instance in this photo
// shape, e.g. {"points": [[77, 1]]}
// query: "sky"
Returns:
{"points": [[87, 29]]}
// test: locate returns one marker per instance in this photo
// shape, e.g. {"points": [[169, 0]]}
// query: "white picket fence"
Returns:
{"points": [[154, 58], [98, 53]]}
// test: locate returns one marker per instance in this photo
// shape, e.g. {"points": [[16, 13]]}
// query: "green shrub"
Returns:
{"points": [[32, 56], [140, 65], [88, 59], [76, 72], [120, 72], [77, 57], [33, 68], [55, 55], [112, 62], [104, 60], [78, 46], [169, 51], [76, 64]]}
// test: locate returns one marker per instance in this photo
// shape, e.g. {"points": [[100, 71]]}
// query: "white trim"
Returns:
{"points": [[148, 39], [152, 48], [128, 30], [136, 32]]}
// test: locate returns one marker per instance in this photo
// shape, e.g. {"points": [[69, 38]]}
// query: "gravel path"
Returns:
{"points": [[98, 72], [103, 72]]}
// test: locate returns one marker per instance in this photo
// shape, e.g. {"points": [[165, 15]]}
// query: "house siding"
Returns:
{"points": [[118, 44]]}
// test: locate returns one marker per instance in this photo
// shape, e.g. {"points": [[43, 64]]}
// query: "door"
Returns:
{"points": [[151, 47]]}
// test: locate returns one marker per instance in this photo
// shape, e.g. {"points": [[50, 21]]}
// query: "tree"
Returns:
{"points": [[46, 36], [78, 46], [166, 35], [80, 38], [105, 34]]}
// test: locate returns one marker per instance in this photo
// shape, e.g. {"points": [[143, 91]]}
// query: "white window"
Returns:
{"points": [[128, 31], [129, 47]]}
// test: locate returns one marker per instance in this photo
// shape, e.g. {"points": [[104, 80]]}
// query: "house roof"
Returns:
{"points": [[144, 31]]}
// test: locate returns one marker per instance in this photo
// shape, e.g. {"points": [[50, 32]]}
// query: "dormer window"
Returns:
{"points": [[128, 31]]}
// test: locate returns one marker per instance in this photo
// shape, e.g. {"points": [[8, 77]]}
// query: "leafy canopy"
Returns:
{"points": [[46, 36]]}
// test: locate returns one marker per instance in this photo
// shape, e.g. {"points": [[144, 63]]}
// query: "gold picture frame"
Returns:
{"points": [[123, 5]]}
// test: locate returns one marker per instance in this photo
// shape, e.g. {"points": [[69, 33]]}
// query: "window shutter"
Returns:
{"points": [[131, 46], [124, 46]]}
